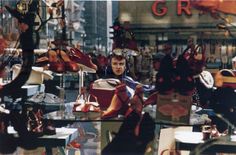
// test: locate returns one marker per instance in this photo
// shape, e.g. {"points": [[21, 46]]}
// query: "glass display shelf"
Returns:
{"points": [[70, 117]]}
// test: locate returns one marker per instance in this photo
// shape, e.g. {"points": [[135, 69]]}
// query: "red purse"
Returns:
{"points": [[104, 90]]}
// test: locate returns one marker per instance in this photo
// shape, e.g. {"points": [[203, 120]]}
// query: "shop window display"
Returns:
{"points": [[124, 84]]}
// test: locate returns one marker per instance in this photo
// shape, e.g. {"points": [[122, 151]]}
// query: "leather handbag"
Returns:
{"points": [[104, 90]]}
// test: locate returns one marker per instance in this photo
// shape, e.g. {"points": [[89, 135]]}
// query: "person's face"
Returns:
{"points": [[118, 66]]}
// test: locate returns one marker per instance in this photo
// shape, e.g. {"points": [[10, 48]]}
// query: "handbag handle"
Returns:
{"points": [[96, 101]]}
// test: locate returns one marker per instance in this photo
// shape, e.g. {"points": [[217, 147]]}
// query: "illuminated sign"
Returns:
{"points": [[159, 7]]}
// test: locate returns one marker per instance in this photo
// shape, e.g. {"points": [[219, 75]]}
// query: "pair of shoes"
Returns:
{"points": [[119, 103], [36, 124], [81, 100], [35, 121], [83, 60], [88, 108], [60, 62]]}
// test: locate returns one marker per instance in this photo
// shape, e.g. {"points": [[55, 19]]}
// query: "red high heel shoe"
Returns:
{"points": [[70, 66], [55, 64], [119, 103], [88, 108], [136, 103], [151, 100], [83, 60]]}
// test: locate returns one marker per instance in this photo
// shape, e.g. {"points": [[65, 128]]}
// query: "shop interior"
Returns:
{"points": [[124, 77]]}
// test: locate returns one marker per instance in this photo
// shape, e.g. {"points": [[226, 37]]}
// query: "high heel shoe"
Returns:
{"points": [[83, 60], [70, 66], [88, 106], [136, 103], [41, 61], [151, 100], [119, 103], [35, 122], [55, 64]]}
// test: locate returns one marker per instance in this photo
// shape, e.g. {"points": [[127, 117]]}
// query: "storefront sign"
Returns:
{"points": [[160, 9]]}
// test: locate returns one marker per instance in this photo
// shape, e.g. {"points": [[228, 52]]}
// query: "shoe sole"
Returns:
{"points": [[86, 68]]}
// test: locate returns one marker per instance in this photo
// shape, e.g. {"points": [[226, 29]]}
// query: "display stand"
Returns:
{"points": [[62, 91], [81, 79]]}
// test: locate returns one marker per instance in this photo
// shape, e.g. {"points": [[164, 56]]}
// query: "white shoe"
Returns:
{"points": [[37, 98], [51, 98]]}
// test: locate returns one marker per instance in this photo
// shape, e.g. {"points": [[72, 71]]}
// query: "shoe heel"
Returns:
{"points": [[55, 64]]}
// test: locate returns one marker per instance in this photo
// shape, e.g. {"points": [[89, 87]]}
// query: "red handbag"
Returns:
{"points": [[104, 90]]}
